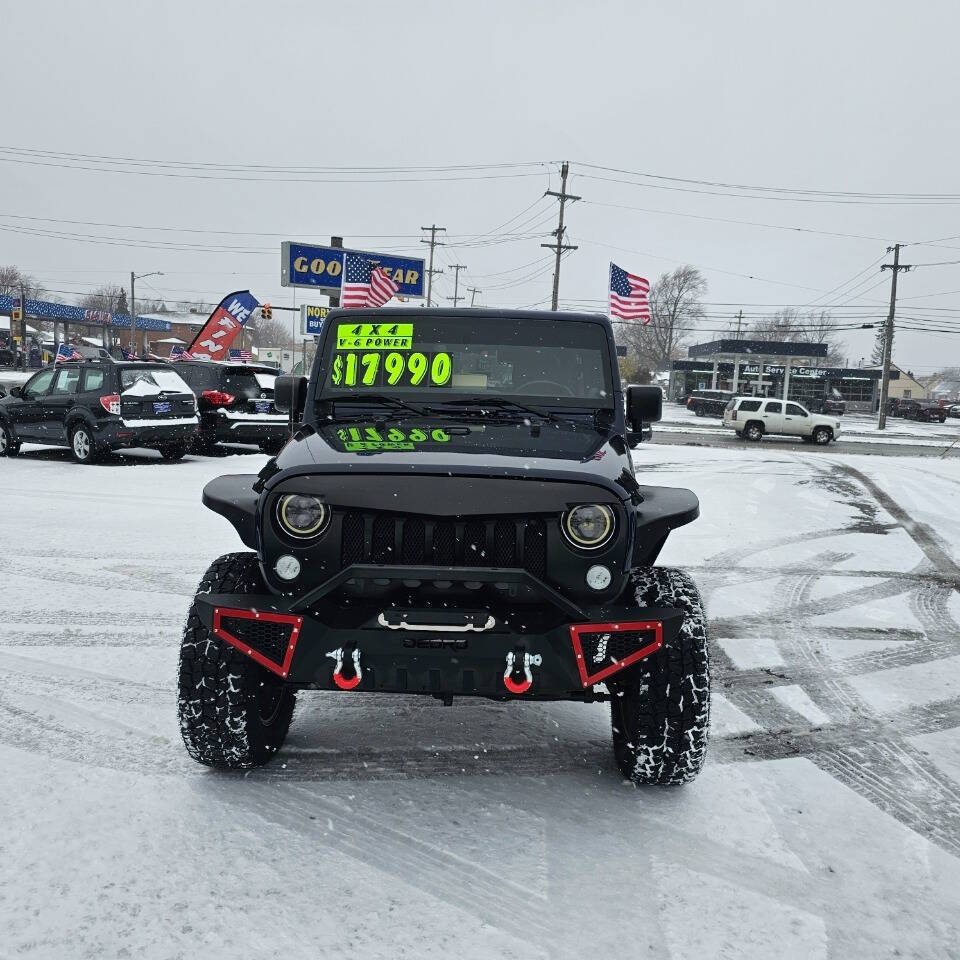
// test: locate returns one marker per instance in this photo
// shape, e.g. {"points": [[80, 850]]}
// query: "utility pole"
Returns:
{"points": [[133, 311], [433, 242], [473, 291], [739, 320], [457, 267], [23, 326], [334, 298], [559, 247], [894, 268]]}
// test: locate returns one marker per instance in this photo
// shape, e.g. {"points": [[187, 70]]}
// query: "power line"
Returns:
{"points": [[457, 267], [433, 242]]}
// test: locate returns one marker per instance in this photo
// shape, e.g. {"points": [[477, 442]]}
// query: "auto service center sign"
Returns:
{"points": [[321, 268]]}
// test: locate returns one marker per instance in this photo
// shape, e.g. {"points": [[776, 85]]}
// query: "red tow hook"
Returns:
{"points": [[524, 685], [346, 683]]}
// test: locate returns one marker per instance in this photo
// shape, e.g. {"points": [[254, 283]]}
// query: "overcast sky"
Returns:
{"points": [[847, 97]]}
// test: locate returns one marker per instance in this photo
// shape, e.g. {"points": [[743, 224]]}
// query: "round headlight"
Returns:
{"points": [[302, 516], [588, 526]]}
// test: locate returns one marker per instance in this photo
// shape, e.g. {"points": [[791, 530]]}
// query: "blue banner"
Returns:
{"points": [[306, 265]]}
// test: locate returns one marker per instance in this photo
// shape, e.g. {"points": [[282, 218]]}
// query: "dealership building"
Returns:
{"points": [[774, 368]]}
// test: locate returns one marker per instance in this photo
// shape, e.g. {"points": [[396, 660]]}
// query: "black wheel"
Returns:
{"points": [[699, 411], [660, 719], [82, 444], [173, 451], [753, 432], [822, 435], [233, 712], [8, 446]]}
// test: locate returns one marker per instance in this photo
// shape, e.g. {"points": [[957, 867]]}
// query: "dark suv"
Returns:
{"points": [[457, 515], [709, 403], [99, 405], [235, 402], [920, 410]]}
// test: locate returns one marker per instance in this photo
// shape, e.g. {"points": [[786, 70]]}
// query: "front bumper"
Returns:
{"points": [[548, 652]]}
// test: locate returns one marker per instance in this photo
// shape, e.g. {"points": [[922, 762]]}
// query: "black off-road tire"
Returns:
{"points": [[233, 712], [699, 410], [753, 431], [661, 717], [83, 447], [8, 446], [172, 451]]}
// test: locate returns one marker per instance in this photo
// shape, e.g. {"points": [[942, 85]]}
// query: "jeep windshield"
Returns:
{"points": [[458, 360]]}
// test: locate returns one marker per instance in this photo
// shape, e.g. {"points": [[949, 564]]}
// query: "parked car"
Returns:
{"points": [[920, 410], [235, 403], [94, 406], [753, 417], [833, 402], [953, 410], [429, 533], [706, 403]]}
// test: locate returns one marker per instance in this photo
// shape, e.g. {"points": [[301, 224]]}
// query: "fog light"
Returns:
{"points": [[598, 577], [288, 567]]}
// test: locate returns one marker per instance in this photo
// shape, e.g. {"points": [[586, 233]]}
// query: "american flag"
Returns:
{"points": [[365, 285], [129, 354], [628, 295], [241, 355], [65, 353], [178, 353]]}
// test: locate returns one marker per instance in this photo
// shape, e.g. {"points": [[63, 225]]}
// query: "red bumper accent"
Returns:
{"points": [[576, 629], [343, 683], [522, 687], [295, 622]]}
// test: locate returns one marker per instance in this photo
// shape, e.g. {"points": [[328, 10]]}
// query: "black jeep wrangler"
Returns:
{"points": [[457, 515]]}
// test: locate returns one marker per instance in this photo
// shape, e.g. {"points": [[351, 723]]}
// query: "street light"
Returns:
{"points": [[133, 303]]}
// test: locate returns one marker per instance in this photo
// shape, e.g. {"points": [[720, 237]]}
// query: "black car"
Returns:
{"points": [[457, 515], [920, 410], [95, 406], [709, 403], [235, 402]]}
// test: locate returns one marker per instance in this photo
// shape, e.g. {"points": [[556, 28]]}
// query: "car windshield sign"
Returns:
{"points": [[452, 358]]}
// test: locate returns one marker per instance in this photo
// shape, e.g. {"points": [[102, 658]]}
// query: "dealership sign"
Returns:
{"points": [[321, 268], [311, 319]]}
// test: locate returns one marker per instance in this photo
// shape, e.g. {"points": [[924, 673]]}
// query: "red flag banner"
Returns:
{"points": [[214, 339]]}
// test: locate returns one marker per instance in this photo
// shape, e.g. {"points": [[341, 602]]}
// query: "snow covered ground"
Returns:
{"points": [[825, 825]]}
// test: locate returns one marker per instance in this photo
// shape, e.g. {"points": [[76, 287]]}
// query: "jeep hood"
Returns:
{"points": [[560, 450]]}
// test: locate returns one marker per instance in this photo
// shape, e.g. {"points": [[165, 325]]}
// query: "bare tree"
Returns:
{"points": [[270, 333], [110, 298], [675, 308], [795, 327], [13, 278]]}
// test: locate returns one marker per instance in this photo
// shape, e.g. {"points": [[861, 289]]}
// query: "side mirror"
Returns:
{"points": [[16, 391], [290, 395], [644, 405]]}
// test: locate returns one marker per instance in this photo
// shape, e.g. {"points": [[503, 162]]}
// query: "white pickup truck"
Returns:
{"points": [[752, 417]]}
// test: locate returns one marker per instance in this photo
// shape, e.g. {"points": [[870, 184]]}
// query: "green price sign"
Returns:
{"points": [[351, 368], [374, 336]]}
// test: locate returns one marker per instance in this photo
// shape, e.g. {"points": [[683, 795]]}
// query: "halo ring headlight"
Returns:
{"points": [[588, 526], [302, 516]]}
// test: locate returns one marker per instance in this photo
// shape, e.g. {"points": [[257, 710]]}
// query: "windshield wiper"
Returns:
{"points": [[501, 403], [395, 402]]}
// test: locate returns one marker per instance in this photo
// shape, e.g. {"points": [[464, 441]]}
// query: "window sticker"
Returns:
{"points": [[374, 336], [351, 368]]}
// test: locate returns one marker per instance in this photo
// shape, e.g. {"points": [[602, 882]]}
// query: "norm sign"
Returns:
{"points": [[321, 268]]}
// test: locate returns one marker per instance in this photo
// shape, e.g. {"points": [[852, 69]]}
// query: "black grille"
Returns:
{"points": [[473, 542], [602, 650], [535, 547], [270, 639], [352, 543]]}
